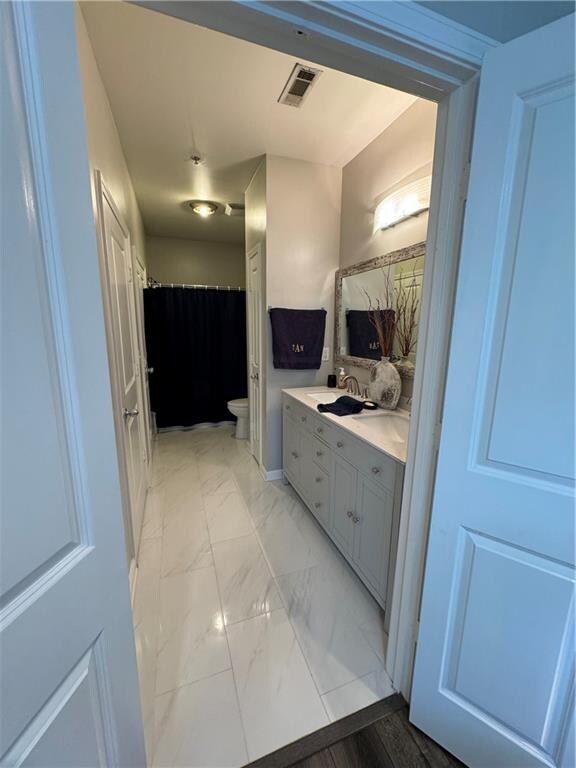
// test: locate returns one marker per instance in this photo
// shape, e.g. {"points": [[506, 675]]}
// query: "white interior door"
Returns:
{"points": [[140, 285], [68, 682], [254, 351], [494, 674], [124, 353]]}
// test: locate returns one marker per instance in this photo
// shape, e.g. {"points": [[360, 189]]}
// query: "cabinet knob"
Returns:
{"points": [[318, 479], [317, 505], [303, 418], [355, 519], [294, 455], [339, 444], [319, 430], [375, 470], [319, 453], [287, 407], [350, 513]]}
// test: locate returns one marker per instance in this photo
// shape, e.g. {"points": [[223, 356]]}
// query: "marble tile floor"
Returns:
{"points": [[251, 629]]}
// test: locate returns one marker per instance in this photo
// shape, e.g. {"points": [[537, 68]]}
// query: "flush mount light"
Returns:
{"points": [[410, 200], [203, 208]]}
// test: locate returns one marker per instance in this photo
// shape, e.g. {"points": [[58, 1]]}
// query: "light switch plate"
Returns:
{"points": [[326, 354]]}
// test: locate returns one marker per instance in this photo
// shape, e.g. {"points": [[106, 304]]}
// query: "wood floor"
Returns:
{"points": [[379, 736]]}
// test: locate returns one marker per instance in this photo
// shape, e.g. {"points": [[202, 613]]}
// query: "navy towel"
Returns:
{"points": [[297, 337], [362, 336], [344, 406]]}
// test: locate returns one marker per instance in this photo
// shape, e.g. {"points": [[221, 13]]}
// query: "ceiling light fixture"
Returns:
{"points": [[410, 200], [203, 208], [196, 160]]}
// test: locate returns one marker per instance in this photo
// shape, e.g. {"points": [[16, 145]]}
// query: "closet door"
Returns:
{"points": [[123, 354]]}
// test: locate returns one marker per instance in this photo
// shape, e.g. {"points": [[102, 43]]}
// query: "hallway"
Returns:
{"points": [[251, 630]]}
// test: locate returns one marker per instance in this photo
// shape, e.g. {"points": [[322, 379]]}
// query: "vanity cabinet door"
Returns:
{"points": [[291, 449], [343, 495], [373, 533]]}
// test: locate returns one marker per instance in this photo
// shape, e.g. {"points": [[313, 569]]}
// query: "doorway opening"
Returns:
{"points": [[233, 563]]}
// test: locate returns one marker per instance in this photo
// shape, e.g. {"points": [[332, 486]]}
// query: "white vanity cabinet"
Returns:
{"points": [[353, 489]]}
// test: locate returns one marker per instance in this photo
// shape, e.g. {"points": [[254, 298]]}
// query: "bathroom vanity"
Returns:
{"points": [[349, 471]]}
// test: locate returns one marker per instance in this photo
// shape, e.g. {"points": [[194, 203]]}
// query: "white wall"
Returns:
{"points": [[302, 254], [400, 151], [104, 147], [178, 260]]}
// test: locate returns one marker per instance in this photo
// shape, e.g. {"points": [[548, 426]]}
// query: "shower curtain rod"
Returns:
{"points": [[194, 285]]}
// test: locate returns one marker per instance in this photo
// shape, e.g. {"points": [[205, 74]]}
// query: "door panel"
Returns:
{"points": [[343, 480], [68, 682], [291, 449], [495, 658]]}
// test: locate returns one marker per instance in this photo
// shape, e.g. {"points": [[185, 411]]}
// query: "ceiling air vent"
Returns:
{"points": [[299, 84]]}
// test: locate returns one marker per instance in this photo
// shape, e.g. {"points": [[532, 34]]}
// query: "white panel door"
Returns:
{"points": [[254, 351], [68, 681], [124, 353], [494, 674]]}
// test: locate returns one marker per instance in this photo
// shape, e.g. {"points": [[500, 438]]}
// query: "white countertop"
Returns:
{"points": [[386, 431]]}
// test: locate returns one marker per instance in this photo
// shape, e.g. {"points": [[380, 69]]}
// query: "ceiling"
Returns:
{"points": [[501, 20], [176, 88]]}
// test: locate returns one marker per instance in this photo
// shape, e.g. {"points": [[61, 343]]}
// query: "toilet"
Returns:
{"points": [[239, 408]]}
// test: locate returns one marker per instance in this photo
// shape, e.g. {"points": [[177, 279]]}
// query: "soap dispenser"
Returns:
{"points": [[341, 377]]}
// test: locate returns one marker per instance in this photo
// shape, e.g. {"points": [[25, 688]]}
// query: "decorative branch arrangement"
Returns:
{"points": [[407, 304], [382, 316]]}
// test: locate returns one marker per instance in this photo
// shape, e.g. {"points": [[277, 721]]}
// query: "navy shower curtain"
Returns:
{"points": [[196, 343]]}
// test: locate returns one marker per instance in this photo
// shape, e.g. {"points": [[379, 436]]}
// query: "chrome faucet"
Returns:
{"points": [[352, 386]]}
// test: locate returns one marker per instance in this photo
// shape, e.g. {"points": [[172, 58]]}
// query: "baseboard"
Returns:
{"points": [[273, 474]]}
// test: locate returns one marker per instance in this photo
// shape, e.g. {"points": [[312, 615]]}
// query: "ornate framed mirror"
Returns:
{"points": [[362, 285]]}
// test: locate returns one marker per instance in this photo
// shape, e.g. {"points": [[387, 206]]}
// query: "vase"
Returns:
{"points": [[385, 384], [405, 368]]}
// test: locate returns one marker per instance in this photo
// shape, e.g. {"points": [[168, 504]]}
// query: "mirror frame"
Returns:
{"points": [[402, 254]]}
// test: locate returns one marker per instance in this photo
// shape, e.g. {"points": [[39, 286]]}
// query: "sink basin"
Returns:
{"points": [[385, 424], [325, 397]]}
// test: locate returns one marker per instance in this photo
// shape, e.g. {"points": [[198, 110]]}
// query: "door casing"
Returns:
{"points": [[413, 50]]}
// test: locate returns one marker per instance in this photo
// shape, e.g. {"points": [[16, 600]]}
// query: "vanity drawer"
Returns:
{"points": [[321, 454], [322, 429], [298, 412], [369, 461]]}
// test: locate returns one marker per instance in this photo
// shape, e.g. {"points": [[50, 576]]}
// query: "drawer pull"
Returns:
{"points": [[319, 453], [319, 430], [317, 505], [294, 455], [318, 479], [350, 513], [303, 418], [339, 444], [287, 407], [375, 470], [355, 519]]}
